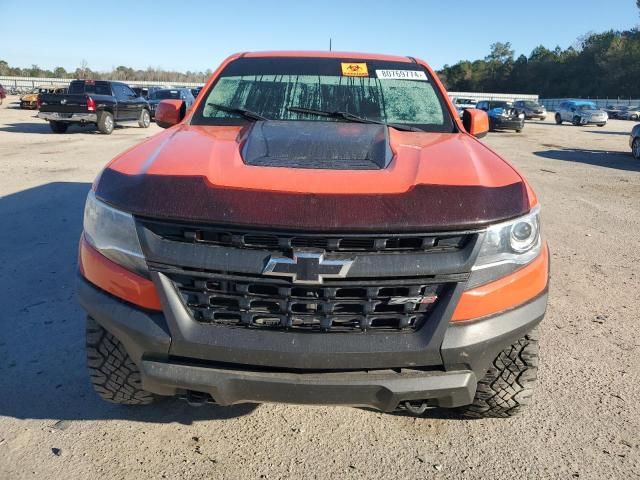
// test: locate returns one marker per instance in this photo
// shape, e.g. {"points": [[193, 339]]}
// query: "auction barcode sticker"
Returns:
{"points": [[402, 75]]}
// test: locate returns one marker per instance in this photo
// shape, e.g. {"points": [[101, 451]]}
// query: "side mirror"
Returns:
{"points": [[169, 113], [476, 122]]}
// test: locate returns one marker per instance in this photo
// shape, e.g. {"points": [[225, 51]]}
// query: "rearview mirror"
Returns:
{"points": [[169, 113], [476, 122]]}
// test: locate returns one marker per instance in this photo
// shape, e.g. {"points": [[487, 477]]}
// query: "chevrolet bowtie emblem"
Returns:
{"points": [[307, 267]]}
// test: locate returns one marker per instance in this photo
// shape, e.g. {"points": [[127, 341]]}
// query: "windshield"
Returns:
{"points": [[389, 92], [493, 105], [531, 104], [586, 106], [164, 94]]}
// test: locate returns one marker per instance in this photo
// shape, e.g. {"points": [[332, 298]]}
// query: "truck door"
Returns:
{"points": [[126, 105], [134, 103]]}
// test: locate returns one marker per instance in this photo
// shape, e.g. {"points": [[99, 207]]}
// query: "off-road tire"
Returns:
{"points": [[558, 119], [508, 385], [114, 376], [105, 123], [58, 127], [144, 119]]}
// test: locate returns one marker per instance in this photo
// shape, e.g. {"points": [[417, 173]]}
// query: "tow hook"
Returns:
{"points": [[416, 408], [196, 399]]}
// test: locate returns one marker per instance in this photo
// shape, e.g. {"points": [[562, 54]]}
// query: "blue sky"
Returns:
{"points": [[196, 35]]}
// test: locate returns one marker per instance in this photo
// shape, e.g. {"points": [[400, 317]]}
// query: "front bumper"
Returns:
{"points": [[466, 352], [540, 115], [66, 117], [593, 120], [499, 123]]}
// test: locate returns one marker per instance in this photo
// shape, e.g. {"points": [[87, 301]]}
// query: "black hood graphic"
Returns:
{"points": [[317, 144]]}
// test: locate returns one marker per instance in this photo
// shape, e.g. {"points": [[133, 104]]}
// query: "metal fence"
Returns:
{"points": [[511, 97], [26, 84], [552, 103]]}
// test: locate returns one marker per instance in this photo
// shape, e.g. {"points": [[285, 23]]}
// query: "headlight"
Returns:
{"points": [[521, 115], [113, 234], [507, 247]]}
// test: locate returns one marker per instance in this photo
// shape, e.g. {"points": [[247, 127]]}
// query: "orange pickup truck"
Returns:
{"points": [[317, 228]]}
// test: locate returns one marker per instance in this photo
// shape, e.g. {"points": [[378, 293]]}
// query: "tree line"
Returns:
{"points": [[150, 74], [599, 65]]}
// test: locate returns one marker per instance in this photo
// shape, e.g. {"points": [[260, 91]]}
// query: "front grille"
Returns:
{"points": [[285, 241], [340, 306]]}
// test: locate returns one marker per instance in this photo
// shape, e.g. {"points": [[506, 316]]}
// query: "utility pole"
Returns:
{"points": [[329, 43]]}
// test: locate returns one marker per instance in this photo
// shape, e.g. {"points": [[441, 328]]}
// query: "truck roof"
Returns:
{"points": [[323, 54]]}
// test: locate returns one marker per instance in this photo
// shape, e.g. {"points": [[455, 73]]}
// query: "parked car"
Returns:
{"points": [[580, 112], [463, 103], [614, 110], [630, 113], [502, 115], [103, 103], [183, 94], [634, 141], [30, 100], [530, 109], [3, 93], [347, 243], [144, 92]]}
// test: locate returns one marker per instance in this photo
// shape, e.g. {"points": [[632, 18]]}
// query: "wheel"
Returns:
{"points": [[508, 385], [114, 376], [23, 104], [601, 124], [105, 123], [558, 119], [576, 121], [144, 120], [635, 148], [634, 117], [58, 127], [519, 131]]}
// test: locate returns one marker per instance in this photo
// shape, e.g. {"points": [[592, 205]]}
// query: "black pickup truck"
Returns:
{"points": [[103, 103]]}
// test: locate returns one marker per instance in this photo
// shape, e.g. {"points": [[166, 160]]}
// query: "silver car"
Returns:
{"points": [[581, 112], [530, 109]]}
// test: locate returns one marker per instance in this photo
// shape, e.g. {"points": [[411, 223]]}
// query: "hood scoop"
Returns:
{"points": [[317, 145]]}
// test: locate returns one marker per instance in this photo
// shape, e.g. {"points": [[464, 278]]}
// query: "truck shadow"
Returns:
{"points": [[42, 364], [43, 128], [598, 158]]}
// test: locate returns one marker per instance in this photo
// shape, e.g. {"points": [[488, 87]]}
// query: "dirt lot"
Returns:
{"points": [[585, 421]]}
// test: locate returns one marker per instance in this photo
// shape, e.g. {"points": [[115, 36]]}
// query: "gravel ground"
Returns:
{"points": [[584, 422]]}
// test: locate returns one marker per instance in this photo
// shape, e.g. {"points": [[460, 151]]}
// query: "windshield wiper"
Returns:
{"points": [[350, 117], [240, 111]]}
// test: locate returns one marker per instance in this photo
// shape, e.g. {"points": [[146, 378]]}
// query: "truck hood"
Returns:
{"points": [[433, 181]]}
